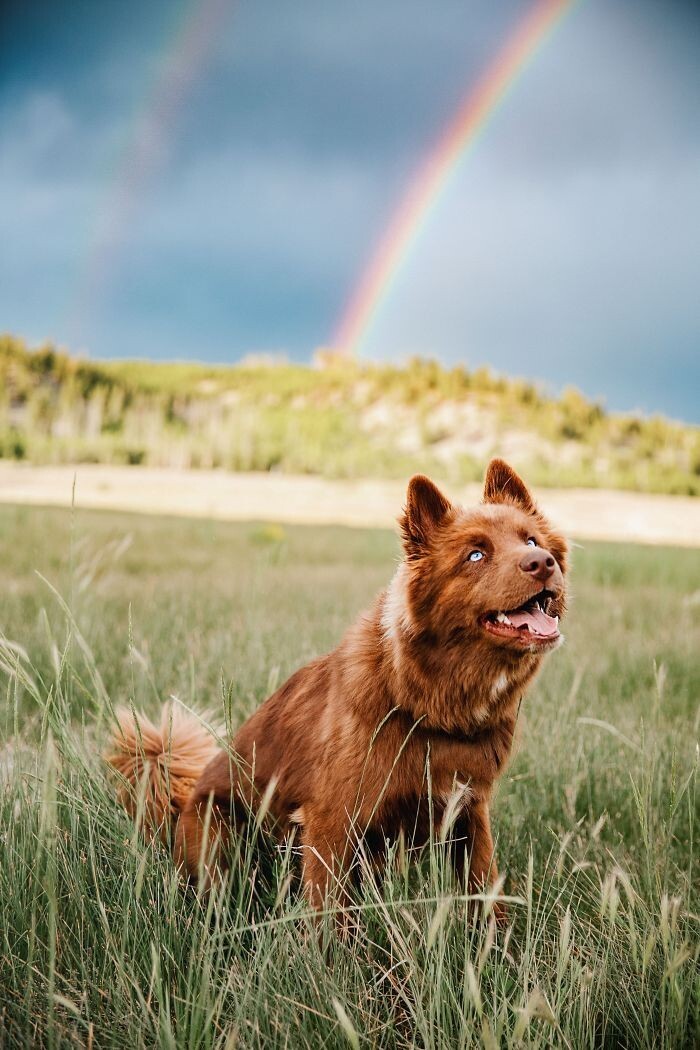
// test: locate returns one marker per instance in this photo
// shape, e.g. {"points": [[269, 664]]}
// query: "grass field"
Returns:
{"points": [[597, 817]]}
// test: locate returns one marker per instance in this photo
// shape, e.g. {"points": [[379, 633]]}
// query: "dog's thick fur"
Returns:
{"points": [[410, 719]]}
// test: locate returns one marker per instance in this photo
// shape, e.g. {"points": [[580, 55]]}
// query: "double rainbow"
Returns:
{"points": [[475, 112], [183, 54]]}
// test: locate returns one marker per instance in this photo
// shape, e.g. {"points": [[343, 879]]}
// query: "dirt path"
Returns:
{"points": [[585, 513]]}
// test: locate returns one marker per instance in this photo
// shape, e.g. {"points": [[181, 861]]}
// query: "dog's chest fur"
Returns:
{"points": [[417, 774]]}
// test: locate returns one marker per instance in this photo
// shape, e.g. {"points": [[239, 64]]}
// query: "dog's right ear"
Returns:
{"points": [[425, 509], [503, 485]]}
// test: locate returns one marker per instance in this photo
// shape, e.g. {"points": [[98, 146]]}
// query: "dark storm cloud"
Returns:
{"points": [[564, 248]]}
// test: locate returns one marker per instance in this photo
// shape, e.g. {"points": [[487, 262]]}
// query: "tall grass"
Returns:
{"points": [[597, 817]]}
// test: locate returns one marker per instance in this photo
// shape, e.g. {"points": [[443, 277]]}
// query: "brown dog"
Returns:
{"points": [[409, 720]]}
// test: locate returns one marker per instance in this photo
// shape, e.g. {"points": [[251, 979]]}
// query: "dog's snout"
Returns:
{"points": [[538, 563]]}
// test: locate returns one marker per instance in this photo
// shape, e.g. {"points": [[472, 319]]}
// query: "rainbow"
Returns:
{"points": [[475, 112], [183, 53]]}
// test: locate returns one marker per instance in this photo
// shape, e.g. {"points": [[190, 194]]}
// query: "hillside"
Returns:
{"points": [[341, 419]]}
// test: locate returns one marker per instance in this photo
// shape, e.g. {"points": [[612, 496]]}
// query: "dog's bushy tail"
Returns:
{"points": [[158, 766]]}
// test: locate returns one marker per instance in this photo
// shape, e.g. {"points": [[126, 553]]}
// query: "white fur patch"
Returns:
{"points": [[297, 817], [479, 714], [499, 685], [395, 614]]}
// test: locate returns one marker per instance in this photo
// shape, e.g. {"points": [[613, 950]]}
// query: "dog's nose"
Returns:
{"points": [[538, 563]]}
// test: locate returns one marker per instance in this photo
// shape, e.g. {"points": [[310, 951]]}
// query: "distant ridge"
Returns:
{"points": [[341, 418]]}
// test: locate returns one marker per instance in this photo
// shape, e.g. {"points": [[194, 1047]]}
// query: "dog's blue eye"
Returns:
{"points": [[476, 556], [532, 542]]}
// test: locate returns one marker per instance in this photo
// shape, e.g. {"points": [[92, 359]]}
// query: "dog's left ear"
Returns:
{"points": [[425, 509], [503, 485]]}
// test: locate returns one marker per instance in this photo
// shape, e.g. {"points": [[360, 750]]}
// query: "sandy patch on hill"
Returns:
{"points": [[585, 513]]}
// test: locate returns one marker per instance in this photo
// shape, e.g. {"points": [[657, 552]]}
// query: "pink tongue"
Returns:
{"points": [[536, 620]]}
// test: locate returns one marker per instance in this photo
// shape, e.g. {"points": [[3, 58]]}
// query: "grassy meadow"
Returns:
{"points": [[596, 818]]}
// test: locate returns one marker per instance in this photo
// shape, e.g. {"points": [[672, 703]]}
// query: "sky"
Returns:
{"points": [[206, 179]]}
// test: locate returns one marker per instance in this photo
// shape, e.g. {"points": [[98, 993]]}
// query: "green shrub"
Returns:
{"points": [[13, 445]]}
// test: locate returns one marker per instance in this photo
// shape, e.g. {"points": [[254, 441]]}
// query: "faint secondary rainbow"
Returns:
{"points": [[183, 53], [477, 108]]}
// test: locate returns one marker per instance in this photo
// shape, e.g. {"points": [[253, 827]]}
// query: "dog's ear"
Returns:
{"points": [[425, 509], [503, 485]]}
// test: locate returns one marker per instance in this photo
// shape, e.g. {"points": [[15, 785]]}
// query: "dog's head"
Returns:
{"points": [[495, 572]]}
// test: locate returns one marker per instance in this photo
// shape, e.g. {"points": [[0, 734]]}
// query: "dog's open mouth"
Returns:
{"points": [[529, 623]]}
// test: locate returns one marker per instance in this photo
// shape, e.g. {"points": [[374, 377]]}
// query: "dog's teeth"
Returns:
{"points": [[556, 620], [502, 618]]}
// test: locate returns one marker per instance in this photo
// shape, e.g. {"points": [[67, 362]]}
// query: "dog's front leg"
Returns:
{"points": [[326, 856], [483, 871]]}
